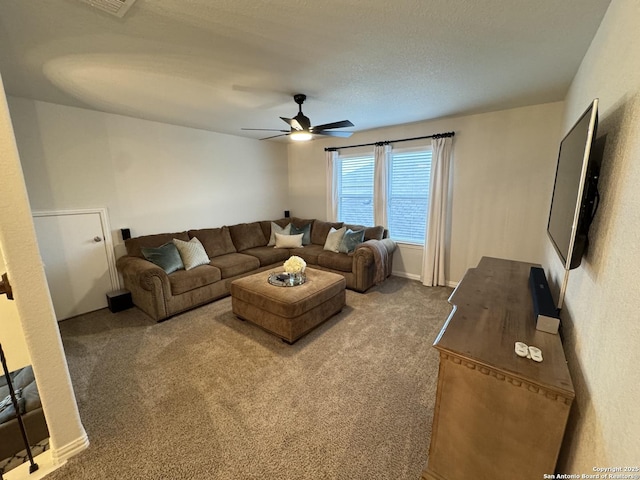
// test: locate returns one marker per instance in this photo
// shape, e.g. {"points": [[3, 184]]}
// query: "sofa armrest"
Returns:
{"points": [[389, 244], [372, 263], [142, 272], [149, 285], [364, 254]]}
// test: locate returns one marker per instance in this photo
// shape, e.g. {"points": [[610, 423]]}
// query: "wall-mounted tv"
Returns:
{"points": [[575, 192]]}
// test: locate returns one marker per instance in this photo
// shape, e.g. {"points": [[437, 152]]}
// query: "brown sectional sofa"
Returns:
{"points": [[239, 250]]}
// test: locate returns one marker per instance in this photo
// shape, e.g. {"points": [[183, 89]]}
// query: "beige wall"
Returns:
{"points": [[11, 334], [503, 170], [32, 301], [151, 177], [601, 309]]}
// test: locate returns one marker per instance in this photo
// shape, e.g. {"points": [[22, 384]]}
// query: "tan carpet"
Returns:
{"points": [[205, 395]]}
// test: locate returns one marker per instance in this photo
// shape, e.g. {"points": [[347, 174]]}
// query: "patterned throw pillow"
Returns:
{"points": [[351, 240], [305, 230], [334, 238], [192, 253], [165, 256], [275, 228]]}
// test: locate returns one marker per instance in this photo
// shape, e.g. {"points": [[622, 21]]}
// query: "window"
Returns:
{"points": [[408, 195], [408, 180], [355, 190]]}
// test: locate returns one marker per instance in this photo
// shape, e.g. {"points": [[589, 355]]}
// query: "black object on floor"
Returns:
{"points": [[119, 300]]}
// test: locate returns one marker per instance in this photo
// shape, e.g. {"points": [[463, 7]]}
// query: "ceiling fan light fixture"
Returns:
{"points": [[301, 136]]}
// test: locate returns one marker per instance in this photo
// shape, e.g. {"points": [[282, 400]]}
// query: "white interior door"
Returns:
{"points": [[75, 256]]}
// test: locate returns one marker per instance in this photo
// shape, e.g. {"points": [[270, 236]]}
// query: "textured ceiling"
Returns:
{"points": [[226, 64]]}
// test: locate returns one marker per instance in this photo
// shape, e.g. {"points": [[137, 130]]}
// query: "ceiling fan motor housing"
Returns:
{"points": [[300, 124]]}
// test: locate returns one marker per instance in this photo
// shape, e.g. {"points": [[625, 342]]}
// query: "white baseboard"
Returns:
{"points": [[413, 276], [410, 276], [62, 454]]}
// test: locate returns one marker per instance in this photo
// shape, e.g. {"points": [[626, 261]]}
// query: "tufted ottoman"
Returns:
{"points": [[288, 312]]}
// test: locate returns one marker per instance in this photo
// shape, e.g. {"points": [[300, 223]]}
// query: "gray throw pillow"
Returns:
{"points": [[305, 230], [166, 257], [350, 241], [275, 228]]}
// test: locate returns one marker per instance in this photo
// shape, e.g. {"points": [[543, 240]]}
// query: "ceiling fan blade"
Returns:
{"points": [[328, 126], [266, 129], [333, 134], [275, 136], [289, 121]]}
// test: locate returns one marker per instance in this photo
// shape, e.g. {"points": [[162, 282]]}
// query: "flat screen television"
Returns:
{"points": [[575, 191]]}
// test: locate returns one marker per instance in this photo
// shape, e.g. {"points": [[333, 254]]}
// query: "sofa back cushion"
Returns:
{"points": [[266, 225], [375, 233], [370, 233], [247, 235], [216, 241], [320, 230], [134, 245]]}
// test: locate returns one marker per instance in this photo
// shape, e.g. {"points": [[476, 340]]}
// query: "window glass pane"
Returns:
{"points": [[409, 178], [355, 197]]}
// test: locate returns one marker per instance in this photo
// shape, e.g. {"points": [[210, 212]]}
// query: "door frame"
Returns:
{"points": [[106, 230]]}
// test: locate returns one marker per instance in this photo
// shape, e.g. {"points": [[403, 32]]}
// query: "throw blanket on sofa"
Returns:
{"points": [[380, 258]]}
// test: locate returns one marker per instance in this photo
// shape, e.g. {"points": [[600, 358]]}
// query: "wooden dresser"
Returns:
{"points": [[497, 415]]}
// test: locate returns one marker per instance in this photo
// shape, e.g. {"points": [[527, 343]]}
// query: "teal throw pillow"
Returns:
{"points": [[166, 257], [350, 241], [305, 230]]}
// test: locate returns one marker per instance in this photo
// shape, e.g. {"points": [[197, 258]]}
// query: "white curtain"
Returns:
{"points": [[382, 155], [434, 249], [332, 189]]}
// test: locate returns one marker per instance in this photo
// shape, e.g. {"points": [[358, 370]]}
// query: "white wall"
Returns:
{"points": [[503, 165], [32, 301], [602, 305], [152, 177]]}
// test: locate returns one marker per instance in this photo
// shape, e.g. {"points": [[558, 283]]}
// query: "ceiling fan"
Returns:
{"points": [[301, 128]]}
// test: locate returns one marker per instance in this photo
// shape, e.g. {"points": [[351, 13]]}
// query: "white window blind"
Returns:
{"points": [[355, 190], [408, 198]]}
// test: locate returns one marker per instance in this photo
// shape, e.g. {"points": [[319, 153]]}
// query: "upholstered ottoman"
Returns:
{"points": [[288, 312]]}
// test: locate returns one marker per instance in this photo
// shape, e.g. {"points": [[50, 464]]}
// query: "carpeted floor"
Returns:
{"points": [[204, 395]]}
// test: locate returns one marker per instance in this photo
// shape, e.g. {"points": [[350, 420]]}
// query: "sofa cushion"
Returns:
{"points": [[374, 233], [192, 253], [216, 241], [247, 235], [301, 222], [305, 230], [350, 240], [336, 261], [165, 256], [133, 245], [334, 238], [268, 255], [275, 228], [309, 253], [233, 264], [185, 280], [320, 230]]}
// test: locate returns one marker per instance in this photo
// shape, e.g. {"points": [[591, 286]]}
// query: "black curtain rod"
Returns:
{"points": [[387, 142]]}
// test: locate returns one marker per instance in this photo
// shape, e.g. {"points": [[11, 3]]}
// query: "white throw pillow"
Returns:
{"points": [[275, 228], [192, 253], [334, 239], [289, 241]]}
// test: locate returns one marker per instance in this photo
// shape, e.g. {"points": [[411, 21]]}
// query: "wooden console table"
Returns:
{"points": [[497, 415]]}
